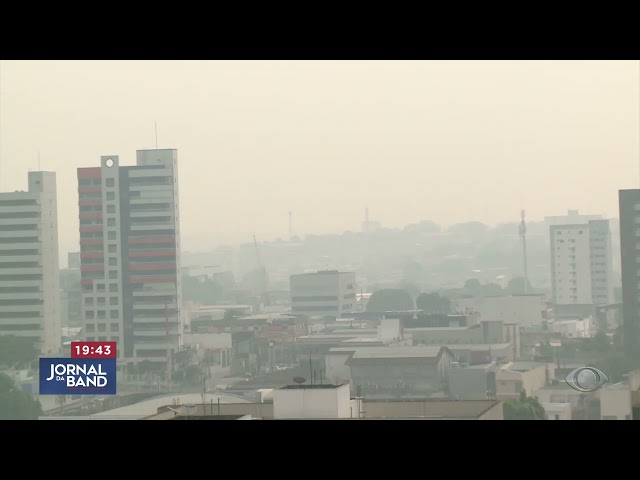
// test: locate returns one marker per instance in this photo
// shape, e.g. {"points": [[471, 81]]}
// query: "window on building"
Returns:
{"points": [[88, 301], [111, 196], [89, 315], [102, 327], [102, 339], [111, 222], [113, 274], [113, 300], [114, 327], [111, 209], [112, 248], [110, 182], [90, 327], [100, 287], [102, 314], [113, 313], [111, 235], [113, 287]]}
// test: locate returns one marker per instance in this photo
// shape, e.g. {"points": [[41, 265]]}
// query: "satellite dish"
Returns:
{"points": [[299, 379]]}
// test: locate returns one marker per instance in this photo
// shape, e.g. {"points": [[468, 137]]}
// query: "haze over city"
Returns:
{"points": [[447, 141], [267, 240]]}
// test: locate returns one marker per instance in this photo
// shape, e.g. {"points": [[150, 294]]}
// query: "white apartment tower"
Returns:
{"points": [[581, 263], [29, 283], [130, 255]]}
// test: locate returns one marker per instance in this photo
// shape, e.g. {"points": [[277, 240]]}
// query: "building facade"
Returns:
{"points": [[323, 293], [130, 256], [629, 201], [29, 283], [581, 263]]}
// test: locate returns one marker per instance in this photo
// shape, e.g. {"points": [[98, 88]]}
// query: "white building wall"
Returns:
{"points": [[301, 403], [525, 310], [615, 402], [571, 264], [31, 306], [337, 371], [324, 293], [557, 411]]}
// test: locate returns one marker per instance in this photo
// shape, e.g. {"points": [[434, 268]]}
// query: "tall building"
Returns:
{"points": [[581, 263], [29, 284], [71, 292], [323, 293], [572, 217], [629, 201], [130, 256]]}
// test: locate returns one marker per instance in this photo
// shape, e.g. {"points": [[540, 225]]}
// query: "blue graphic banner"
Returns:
{"points": [[77, 376]]}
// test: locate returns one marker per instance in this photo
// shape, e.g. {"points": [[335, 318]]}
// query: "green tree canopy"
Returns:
{"points": [[390, 299], [433, 303], [524, 408], [15, 404], [17, 351]]}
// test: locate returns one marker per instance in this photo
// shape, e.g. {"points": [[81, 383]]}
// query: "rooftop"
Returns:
{"points": [[150, 406], [326, 386], [396, 352], [522, 366]]}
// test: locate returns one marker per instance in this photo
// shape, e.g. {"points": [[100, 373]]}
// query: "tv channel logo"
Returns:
{"points": [[75, 376]]}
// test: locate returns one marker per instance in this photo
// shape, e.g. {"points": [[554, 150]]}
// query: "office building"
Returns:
{"points": [[29, 284], [130, 256], [71, 292], [630, 260], [323, 293], [581, 263]]}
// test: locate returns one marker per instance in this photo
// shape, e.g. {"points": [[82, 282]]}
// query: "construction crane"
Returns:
{"points": [[263, 274]]}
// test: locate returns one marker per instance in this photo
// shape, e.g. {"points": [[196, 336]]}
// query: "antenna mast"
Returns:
{"points": [[523, 235]]}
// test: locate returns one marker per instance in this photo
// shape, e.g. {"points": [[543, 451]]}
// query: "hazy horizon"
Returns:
{"points": [[446, 141]]}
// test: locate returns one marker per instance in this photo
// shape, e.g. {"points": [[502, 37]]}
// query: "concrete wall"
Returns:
{"points": [[453, 409], [524, 310], [336, 370], [299, 403], [615, 402]]}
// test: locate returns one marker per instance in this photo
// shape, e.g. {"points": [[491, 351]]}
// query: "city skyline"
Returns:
{"points": [[409, 140]]}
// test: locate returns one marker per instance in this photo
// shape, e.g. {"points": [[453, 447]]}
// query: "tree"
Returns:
{"points": [[17, 351], [390, 299], [524, 408], [16, 404], [516, 286], [433, 303]]}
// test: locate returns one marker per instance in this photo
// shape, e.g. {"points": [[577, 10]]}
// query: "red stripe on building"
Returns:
{"points": [[152, 253], [91, 268], [149, 240], [89, 172], [89, 189], [91, 228], [87, 281], [90, 215], [96, 241], [153, 266], [92, 255], [136, 280], [89, 203]]}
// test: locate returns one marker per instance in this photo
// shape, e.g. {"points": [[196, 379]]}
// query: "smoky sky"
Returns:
{"points": [[448, 141]]}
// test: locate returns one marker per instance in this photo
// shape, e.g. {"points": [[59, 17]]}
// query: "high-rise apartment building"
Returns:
{"points": [[629, 201], [130, 255], [29, 284], [323, 293], [581, 263]]}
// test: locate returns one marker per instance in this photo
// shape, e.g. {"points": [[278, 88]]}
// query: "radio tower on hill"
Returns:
{"points": [[523, 235]]}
